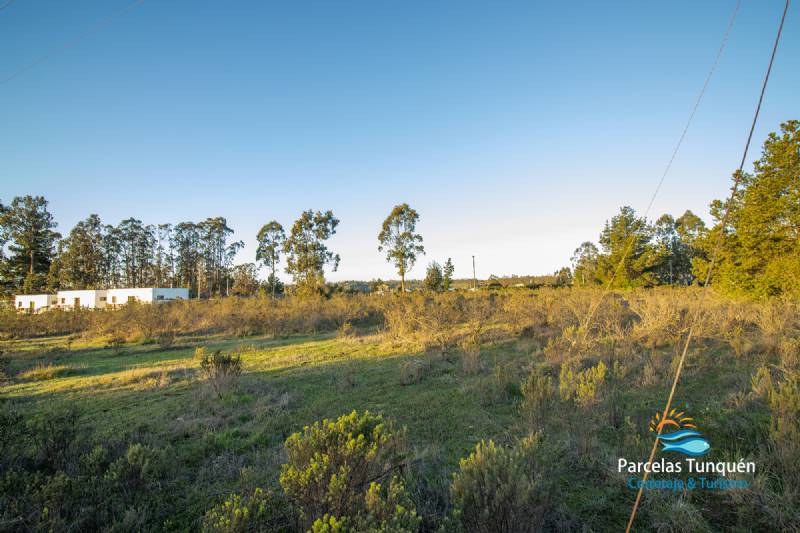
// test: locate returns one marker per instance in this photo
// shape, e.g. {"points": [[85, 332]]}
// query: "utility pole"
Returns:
{"points": [[474, 277]]}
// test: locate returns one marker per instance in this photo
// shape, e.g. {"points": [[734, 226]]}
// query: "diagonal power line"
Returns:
{"points": [[593, 309], [707, 284], [66, 45]]}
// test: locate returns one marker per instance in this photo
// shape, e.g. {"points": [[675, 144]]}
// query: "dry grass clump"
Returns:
{"points": [[146, 378], [43, 372]]}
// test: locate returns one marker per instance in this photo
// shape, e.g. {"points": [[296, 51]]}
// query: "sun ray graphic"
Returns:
{"points": [[674, 419]]}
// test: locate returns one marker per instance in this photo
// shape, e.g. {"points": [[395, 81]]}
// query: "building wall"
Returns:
{"points": [[41, 302], [117, 297], [165, 294], [90, 299], [98, 299]]}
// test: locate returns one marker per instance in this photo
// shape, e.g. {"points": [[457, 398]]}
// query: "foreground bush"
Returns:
{"points": [[221, 369], [335, 475], [263, 510], [52, 479], [501, 489]]}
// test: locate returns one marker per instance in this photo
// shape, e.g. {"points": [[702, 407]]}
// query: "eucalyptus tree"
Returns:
{"points": [[399, 240], [164, 264], [271, 239], [137, 242], [186, 246], [584, 263], [306, 252], [217, 254]]}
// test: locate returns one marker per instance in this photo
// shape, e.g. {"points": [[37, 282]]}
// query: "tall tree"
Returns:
{"points": [[245, 282], [164, 263], [306, 252], [188, 257], [271, 239], [217, 253], [400, 241], [447, 272], [562, 277], [112, 256], [674, 246], [28, 227], [628, 258], [434, 278], [584, 264], [761, 238], [80, 261], [137, 242]]}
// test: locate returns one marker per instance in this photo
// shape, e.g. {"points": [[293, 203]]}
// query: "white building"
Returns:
{"points": [[96, 298], [87, 298], [116, 297], [34, 303]]}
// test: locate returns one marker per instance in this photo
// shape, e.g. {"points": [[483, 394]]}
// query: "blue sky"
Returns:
{"points": [[515, 129]]}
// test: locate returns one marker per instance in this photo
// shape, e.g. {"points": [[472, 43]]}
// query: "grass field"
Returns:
{"points": [[448, 400]]}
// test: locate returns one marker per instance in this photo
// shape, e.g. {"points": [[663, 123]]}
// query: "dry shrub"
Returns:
{"points": [[784, 402], [221, 370], [414, 371], [538, 400], [761, 382], [471, 360], [789, 353], [660, 318]]}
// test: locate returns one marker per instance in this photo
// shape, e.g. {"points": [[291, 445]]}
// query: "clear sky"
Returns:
{"points": [[514, 128]]}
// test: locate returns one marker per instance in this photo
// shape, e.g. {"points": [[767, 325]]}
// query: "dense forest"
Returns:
{"points": [[758, 255]]}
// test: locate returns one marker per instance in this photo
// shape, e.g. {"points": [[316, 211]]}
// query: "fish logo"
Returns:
{"points": [[686, 438]]}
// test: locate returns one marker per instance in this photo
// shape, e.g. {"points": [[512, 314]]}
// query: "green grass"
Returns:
{"points": [[223, 444], [305, 378]]}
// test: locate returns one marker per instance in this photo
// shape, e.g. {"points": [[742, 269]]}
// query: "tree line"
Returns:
{"points": [[759, 250], [758, 244]]}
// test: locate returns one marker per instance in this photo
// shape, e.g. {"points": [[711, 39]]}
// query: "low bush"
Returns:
{"points": [[221, 369], [502, 489], [538, 399], [336, 469], [263, 510], [582, 386]]}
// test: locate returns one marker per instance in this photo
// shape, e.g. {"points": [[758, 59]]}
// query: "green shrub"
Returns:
{"points": [[582, 386], [332, 465], [501, 489], [538, 399], [388, 510], [263, 510], [140, 468]]}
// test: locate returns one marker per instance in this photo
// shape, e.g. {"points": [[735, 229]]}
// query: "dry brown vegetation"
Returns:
{"points": [[576, 398]]}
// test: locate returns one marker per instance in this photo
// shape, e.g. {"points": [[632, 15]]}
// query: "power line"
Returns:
{"points": [[707, 284], [629, 247], [72, 42]]}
